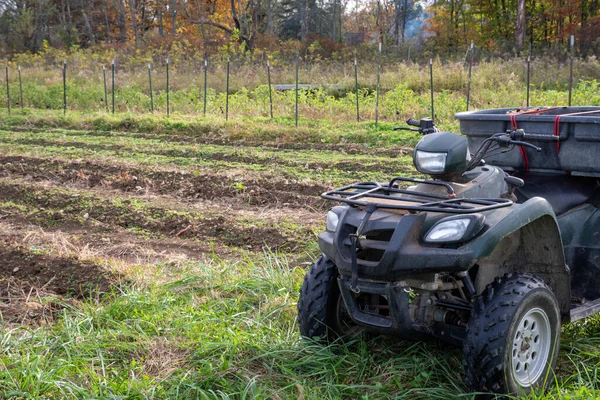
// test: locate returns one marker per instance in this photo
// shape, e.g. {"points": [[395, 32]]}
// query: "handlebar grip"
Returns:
{"points": [[540, 138], [413, 122]]}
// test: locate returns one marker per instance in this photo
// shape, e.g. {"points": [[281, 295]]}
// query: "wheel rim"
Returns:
{"points": [[531, 347]]}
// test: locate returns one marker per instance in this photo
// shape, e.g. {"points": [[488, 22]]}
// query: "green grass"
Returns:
{"points": [[331, 167], [227, 330]]}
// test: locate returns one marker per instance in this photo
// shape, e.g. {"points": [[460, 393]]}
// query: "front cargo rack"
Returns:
{"points": [[385, 196]]}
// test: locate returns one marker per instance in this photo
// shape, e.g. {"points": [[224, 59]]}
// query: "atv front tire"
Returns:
{"points": [[321, 309], [513, 336]]}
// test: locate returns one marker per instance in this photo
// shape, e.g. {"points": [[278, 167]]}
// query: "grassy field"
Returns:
{"points": [[146, 257], [404, 86]]}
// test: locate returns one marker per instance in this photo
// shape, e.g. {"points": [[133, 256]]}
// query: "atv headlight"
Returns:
{"points": [[332, 221], [430, 163], [455, 229]]}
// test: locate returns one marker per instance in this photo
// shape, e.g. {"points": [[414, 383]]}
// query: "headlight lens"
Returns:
{"points": [[430, 163], [448, 231], [332, 221]]}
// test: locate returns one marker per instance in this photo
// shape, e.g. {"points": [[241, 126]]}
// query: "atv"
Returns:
{"points": [[493, 253]]}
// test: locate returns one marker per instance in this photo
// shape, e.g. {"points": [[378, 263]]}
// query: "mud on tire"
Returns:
{"points": [[513, 336]]}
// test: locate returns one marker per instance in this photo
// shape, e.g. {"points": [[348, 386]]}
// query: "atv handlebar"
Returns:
{"points": [[413, 122], [525, 144], [520, 135], [406, 128], [423, 126], [506, 139]]}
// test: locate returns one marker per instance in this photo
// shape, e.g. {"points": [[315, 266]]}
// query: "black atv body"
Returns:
{"points": [[526, 226]]}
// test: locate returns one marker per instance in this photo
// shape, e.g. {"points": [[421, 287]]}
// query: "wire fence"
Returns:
{"points": [[360, 95]]}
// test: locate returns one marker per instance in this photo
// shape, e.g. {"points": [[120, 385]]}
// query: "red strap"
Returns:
{"points": [[513, 122], [525, 159], [557, 132]]}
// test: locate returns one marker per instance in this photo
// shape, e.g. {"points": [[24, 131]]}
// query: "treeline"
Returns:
{"points": [[511, 25], [327, 26]]}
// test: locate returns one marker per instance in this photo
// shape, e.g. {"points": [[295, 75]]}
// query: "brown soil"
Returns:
{"points": [[34, 286], [349, 166], [187, 139], [56, 206], [180, 184]]}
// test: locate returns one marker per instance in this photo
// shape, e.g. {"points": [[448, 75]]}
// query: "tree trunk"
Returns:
{"points": [[521, 26], [121, 19], [333, 35], [269, 28], [134, 22], [254, 9], [404, 11], [159, 7], [397, 21], [304, 15], [88, 25], [105, 4], [173, 17], [65, 24]]}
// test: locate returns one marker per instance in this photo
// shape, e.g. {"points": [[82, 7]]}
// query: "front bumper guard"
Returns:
{"points": [[398, 296]]}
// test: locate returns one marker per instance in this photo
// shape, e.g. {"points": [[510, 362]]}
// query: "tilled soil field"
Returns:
{"points": [[77, 207]]}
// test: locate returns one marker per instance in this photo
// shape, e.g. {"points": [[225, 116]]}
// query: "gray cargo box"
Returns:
{"points": [[578, 129]]}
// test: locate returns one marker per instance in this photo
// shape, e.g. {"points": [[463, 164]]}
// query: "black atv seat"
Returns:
{"points": [[563, 192]]}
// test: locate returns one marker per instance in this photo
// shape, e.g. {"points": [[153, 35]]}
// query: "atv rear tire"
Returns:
{"points": [[513, 336], [321, 310]]}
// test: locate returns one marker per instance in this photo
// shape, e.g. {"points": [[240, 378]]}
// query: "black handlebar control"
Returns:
{"points": [[424, 126], [413, 122]]}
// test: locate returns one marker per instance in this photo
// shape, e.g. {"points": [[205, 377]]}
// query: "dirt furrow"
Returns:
{"points": [[350, 165], [34, 285], [51, 204], [197, 138], [181, 184]]}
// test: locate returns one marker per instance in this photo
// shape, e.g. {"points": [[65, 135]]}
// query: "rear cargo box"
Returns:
{"points": [[577, 152]]}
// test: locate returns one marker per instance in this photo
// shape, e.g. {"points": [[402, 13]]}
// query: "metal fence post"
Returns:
{"points": [[297, 65], [356, 86], [168, 108], [377, 89], [205, 75], [571, 70], [270, 90], [469, 81], [64, 87], [528, 73], [150, 84], [113, 87], [21, 89], [227, 91], [7, 91], [431, 85]]}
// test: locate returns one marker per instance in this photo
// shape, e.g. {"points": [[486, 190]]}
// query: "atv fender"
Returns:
{"points": [[526, 240]]}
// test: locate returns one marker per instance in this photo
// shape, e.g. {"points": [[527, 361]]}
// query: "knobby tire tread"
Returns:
{"points": [[483, 349]]}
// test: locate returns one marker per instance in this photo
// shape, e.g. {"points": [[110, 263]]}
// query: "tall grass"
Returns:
{"points": [[405, 88], [227, 330]]}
